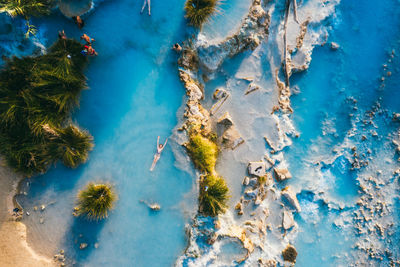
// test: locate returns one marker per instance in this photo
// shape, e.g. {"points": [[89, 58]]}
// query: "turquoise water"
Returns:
{"points": [[134, 95], [367, 32]]}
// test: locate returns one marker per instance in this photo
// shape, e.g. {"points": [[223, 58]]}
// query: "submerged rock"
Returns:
{"points": [[220, 93], [154, 206], [251, 193], [266, 263], [291, 198], [282, 174], [256, 168], [289, 254], [83, 246], [335, 46]]}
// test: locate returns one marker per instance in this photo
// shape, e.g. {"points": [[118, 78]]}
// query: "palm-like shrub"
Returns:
{"points": [[72, 146], [26, 8], [37, 95], [203, 152], [213, 195], [95, 201], [199, 11]]}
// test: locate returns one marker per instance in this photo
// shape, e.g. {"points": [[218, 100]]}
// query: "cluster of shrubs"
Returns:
{"points": [[213, 194], [37, 95]]}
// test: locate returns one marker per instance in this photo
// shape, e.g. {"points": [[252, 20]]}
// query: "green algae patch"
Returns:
{"points": [[37, 95], [95, 201], [203, 152], [213, 195], [200, 11]]}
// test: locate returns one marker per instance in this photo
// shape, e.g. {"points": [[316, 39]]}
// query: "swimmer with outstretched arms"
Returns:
{"points": [[157, 156]]}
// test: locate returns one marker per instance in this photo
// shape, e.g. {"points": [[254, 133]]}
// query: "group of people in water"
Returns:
{"points": [[87, 50]]}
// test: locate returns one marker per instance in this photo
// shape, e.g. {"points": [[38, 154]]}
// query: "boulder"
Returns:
{"points": [[246, 181], [266, 263], [289, 254], [155, 207], [335, 46], [287, 220], [239, 208], [282, 174], [232, 138], [225, 120], [250, 193], [219, 93], [83, 245], [290, 196], [256, 168], [253, 181]]}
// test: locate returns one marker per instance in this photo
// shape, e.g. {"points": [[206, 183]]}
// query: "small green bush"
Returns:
{"points": [[26, 8], [203, 152], [95, 201], [213, 195], [199, 11], [37, 95]]}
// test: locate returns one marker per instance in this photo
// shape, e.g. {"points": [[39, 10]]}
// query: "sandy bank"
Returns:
{"points": [[14, 249]]}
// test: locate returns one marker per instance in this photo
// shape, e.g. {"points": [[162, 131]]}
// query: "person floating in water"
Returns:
{"points": [[62, 35], [87, 39], [160, 148], [144, 5], [88, 50], [79, 21]]}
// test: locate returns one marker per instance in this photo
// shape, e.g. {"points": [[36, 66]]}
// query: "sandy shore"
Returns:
{"points": [[14, 249]]}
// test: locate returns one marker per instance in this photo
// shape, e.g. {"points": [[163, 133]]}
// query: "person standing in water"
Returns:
{"points": [[157, 156], [78, 21], [144, 5]]}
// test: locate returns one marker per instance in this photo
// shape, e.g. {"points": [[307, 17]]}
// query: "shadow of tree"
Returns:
{"points": [[81, 239]]}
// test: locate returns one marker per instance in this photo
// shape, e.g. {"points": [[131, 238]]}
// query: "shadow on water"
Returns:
{"points": [[82, 233]]}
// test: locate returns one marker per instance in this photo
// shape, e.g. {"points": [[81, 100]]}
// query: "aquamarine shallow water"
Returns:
{"points": [[134, 95], [367, 32]]}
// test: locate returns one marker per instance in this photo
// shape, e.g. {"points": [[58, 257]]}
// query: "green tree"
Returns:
{"points": [[199, 11], [95, 201], [26, 8], [37, 95]]}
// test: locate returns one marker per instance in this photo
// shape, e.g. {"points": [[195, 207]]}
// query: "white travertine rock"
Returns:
{"points": [[256, 168], [288, 194]]}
